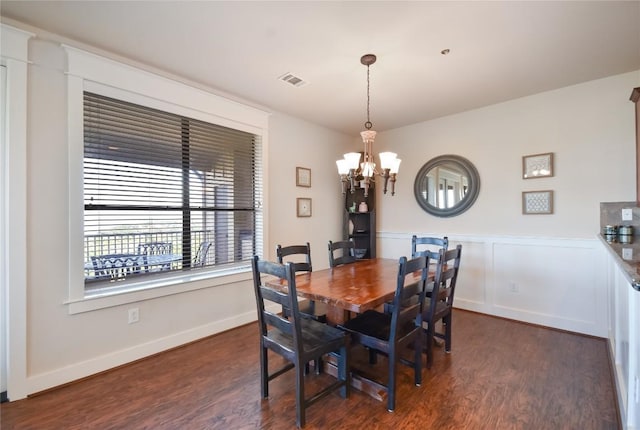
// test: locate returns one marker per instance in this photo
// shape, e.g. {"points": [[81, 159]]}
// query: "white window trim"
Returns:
{"points": [[14, 50], [90, 72]]}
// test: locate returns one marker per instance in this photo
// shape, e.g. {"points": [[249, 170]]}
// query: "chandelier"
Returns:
{"points": [[352, 171]]}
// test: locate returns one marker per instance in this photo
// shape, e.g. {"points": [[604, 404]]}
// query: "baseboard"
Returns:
{"points": [[80, 370]]}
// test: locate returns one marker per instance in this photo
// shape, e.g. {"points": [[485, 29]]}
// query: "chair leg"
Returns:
{"points": [[300, 403], [417, 360], [447, 337], [429, 345], [343, 372], [391, 387], [318, 365], [264, 374]]}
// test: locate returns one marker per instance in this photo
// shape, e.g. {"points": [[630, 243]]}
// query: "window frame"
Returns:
{"points": [[100, 75]]}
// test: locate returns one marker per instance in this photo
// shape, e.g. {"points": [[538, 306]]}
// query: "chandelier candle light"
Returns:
{"points": [[350, 168]]}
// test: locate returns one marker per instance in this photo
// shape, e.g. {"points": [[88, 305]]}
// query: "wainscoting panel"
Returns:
{"points": [[553, 282]]}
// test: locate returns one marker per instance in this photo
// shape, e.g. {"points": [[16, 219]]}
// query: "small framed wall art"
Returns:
{"points": [[537, 202], [303, 207], [537, 166], [303, 177]]}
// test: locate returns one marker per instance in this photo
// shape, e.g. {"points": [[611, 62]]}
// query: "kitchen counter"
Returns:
{"points": [[627, 255]]}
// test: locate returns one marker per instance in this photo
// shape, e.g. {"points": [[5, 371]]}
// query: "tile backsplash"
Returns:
{"points": [[611, 214]]}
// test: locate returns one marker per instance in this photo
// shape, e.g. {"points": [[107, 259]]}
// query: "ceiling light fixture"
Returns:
{"points": [[350, 168]]}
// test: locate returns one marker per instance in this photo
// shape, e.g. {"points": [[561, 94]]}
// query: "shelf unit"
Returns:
{"points": [[361, 226]]}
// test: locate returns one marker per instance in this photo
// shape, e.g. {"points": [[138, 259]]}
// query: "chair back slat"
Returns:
{"points": [[405, 308], [446, 276], [200, 259], [155, 248], [289, 326], [295, 250], [432, 244], [344, 247], [118, 266]]}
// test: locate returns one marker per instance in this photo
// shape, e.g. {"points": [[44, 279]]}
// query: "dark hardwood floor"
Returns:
{"points": [[500, 375]]}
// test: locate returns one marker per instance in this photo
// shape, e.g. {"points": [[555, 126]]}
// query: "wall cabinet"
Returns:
{"points": [[361, 226]]}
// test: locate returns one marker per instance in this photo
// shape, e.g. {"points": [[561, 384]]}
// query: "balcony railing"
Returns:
{"points": [[131, 243]]}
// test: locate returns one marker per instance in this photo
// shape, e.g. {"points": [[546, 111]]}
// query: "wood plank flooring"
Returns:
{"points": [[501, 374]]}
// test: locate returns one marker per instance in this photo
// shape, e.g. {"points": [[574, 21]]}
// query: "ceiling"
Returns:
{"points": [[498, 50]]}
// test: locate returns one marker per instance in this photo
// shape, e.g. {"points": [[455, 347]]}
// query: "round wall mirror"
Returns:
{"points": [[447, 185]]}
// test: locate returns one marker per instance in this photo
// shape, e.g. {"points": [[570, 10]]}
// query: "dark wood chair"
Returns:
{"points": [[297, 339], [439, 307], [200, 259], [346, 249], [428, 244], [157, 248], [118, 266], [392, 333], [308, 308]]}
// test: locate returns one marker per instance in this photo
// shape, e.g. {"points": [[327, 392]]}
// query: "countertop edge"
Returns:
{"points": [[628, 268]]}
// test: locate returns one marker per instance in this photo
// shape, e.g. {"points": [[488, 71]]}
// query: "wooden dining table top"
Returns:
{"points": [[355, 287]]}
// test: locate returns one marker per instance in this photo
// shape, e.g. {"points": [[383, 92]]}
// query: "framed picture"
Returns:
{"points": [[537, 202], [303, 207], [537, 165], [303, 177]]}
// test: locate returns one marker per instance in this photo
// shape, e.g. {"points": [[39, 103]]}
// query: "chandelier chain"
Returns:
{"points": [[368, 124]]}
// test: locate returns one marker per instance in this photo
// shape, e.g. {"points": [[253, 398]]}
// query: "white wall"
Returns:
{"points": [[543, 269], [314, 147], [589, 128], [64, 347]]}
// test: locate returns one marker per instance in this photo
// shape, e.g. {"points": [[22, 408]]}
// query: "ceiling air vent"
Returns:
{"points": [[292, 79]]}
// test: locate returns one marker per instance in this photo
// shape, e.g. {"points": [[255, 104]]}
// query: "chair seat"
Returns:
{"points": [[315, 337], [374, 324]]}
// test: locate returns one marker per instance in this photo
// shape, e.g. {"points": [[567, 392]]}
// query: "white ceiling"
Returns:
{"points": [[499, 50]]}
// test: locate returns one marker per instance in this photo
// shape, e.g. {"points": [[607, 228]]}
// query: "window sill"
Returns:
{"points": [[139, 291]]}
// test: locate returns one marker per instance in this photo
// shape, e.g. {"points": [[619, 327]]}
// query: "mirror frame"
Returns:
{"points": [[470, 197]]}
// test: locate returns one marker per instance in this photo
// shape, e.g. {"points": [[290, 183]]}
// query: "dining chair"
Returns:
{"points": [[428, 244], [296, 339], [393, 333], [439, 307], [346, 249], [201, 254], [118, 266], [157, 248], [308, 308]]}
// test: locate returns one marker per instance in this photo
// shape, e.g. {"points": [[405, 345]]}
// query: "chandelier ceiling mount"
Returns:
{"points": [[350, 168]]}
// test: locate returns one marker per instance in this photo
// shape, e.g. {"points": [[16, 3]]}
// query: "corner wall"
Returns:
{"points": [[542, 269]]}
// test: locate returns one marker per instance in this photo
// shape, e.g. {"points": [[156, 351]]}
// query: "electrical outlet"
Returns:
{"points": [[627, 214], [513, 287], [627, 253], [134, 315]]}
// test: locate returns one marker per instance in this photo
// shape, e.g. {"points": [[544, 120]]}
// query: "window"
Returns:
{"points": [[165, 193]]}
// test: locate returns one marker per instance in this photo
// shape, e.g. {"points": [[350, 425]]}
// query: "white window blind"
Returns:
{"points": [[166, 193]]}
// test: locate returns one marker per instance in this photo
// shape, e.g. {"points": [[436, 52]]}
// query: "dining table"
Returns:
{"points": [[354, 287], [349, 288]]}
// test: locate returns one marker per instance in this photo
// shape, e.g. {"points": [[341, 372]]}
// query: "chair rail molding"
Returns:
{"points": [[553, 282]]}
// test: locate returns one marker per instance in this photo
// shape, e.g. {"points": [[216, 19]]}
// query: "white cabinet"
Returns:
{"points": [[624, 339]]}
